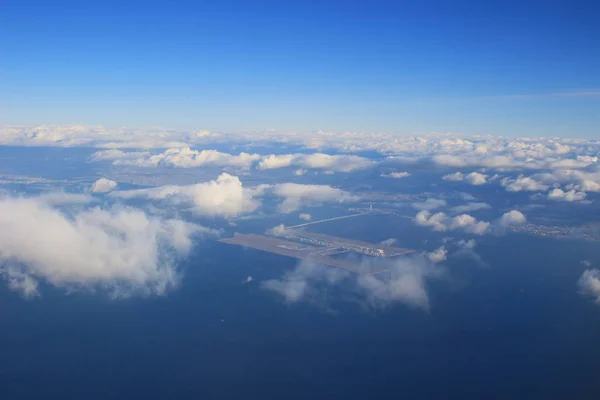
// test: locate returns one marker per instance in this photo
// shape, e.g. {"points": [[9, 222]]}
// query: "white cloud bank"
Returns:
{"points": [[337, 163], [179, 158], [121, 249]]}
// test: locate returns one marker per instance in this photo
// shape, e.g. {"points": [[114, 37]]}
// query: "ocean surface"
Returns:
{"points": [[514, 329]]}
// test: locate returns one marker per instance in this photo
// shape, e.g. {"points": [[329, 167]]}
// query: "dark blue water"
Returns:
{"points": [[518, 329]]}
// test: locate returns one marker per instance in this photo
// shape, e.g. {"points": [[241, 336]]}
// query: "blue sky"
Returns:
{"points": [[489, 67]]}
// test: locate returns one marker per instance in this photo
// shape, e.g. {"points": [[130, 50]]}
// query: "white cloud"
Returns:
{"points": [[404, 282], [408, 288], [589, 186], [297, 196], [223, 197], [115, 154], [299, 284], [586, 263], [523, 183], [180, 158], [299, 172], [305, 217], [103, 185], [475, 178], [469, 224], [472, 206], [429, 204], [440, 222], [467, 244], [454, 150], [570, 196], [513, 217], [455, 177], [121, 249], [337, 163], [589, 284], [396, 175], [438, 255], [278, 230]]}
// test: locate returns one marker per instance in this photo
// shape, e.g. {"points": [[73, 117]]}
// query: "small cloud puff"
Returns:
{"points": [[589, 284], [396, 175], [103, 185]]}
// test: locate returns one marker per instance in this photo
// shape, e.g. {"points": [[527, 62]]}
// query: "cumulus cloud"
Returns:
{"points": [[337, 163], [222, 197], [570, 196], [121, 249], [103, 185], [305, 217], [523, 183], [429, 204], [473, 178], [513, 217], [440, 222], [298, 195], [589, 284], [469, 224], [438, 255], [396, 175]]}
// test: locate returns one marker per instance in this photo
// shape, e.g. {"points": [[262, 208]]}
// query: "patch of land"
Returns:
{"points": [[319, 248]]}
